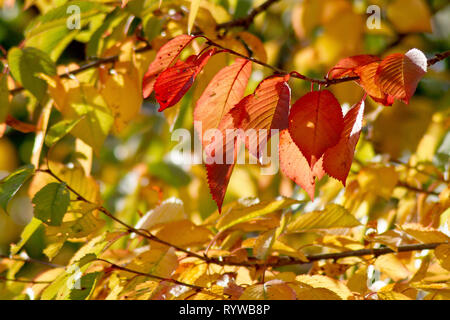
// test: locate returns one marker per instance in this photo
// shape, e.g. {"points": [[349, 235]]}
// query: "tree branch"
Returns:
{"points": [[273, 261], [31, 260], [247, 20]]}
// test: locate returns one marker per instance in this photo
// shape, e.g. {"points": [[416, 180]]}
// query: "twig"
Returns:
{"points": [[116, 266], [31, 260], [24, 280], [247, 20]]}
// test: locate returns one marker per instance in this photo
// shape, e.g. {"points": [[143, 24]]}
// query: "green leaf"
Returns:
{"points": [[4, 98], [12, 183], [334, 216], [27, 232], [59, 130], [84, 287], [51, 203], [243, 212], [26, 65], [50, 32]]}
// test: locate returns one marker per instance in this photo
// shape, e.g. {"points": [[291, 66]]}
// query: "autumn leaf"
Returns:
{"points": [[315, 124], [266, 109], [398, 74], [166, 55], [347, 66], [295, 166], [367, 75], [338, 159], [173, 83], [224, 91]]}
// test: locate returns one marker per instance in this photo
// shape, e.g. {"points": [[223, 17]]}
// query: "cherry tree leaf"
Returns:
{"points": [[315, 124], [398, 74], [267, 108], [338, 159], [367, 74], [173, 83], [295, 166], [347, 66], [224, 91], [166, 55]]}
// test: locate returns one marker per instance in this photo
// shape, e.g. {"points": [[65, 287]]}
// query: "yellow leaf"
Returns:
{"points": [[255, 45], [271, 290], [122, 91], [409, 16], [392, 295], [158, 262], [317, 281], [263, 244], [358, 281], [443, 255], [334, 216], [392, 267], [169, 210], [183, 233], [249, 209], [305, 292], [192, 14], [378, 180], [424, 234]]}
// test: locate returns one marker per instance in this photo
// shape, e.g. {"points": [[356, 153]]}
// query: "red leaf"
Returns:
{"points": [[338, 159], [267, 108], [367, 81], [173, 83], [294, 165], [219, 174], [315, 124], [398, 74], [347, 66], [224, 91], [166, 55]]}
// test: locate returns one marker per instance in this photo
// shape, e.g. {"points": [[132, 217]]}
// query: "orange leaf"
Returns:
{"points": [[223, 92], [367, 74], [267, 108], [173, 83], [166, 55], [315, 124], [269, 103], [338, 159], [398, 74], [347, 66], [294, 165]]}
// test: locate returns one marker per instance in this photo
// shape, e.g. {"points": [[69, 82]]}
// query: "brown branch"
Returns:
{"points": [[439, 57], [148, 275], [143, 233], [247, 20], [253, 262], [285, 261], [24, 280], [31, 260]]}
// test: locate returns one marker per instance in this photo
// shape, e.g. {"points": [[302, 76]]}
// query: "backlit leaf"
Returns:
{"points": [[338, 159], [173, 83], [166, 55], [315, 124], [398, 74], [51, 203], [12, 183], [334, 216]]}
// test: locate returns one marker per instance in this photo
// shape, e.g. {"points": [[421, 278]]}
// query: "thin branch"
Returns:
{"points": [[285, 261], [247, 20], [31, 260], [116, 266], [439, 57], [142, 233], [415, 189], [24, 280]]}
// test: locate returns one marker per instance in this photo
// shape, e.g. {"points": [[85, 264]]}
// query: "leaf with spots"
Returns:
{"points": [[166, 55]]}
